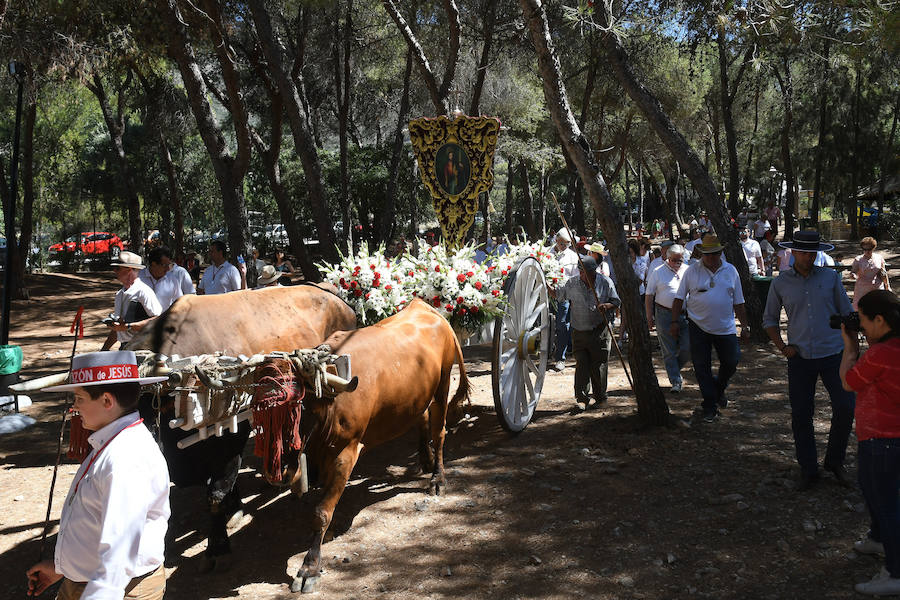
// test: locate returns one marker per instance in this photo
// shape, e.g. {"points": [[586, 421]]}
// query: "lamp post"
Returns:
{"points": [[17, 70]]}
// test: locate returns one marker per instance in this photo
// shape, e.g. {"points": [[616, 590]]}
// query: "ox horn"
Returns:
{"points": [[40, 383], [339, 384]]}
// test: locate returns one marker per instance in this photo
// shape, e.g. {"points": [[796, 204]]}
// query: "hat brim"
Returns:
{"points": [[264, 281], [67, 387], [718, 248], [822, 247], [130, 266]]}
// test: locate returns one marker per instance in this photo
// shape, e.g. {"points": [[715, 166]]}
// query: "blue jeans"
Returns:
{"points": [[802, 376], [879, 478], [563, 331], [729, 351], [676, 352]]}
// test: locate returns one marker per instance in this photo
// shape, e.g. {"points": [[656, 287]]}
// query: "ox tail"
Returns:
{"points": [[460, 399]]}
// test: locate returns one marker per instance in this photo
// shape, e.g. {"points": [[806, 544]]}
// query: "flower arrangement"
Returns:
{"points": [[467, 293]]}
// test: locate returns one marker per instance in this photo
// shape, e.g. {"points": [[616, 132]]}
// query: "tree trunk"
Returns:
{"points": [[752, 142], [702, 183], [304, 143], [27, 228], [852, 203], [885, 161], [115, 124], [578, 221], [489, 10], [527, 201], [390, 201], [713, 112], [820, 150], [734, 177], [651, 403], [787, 97], [509, 199], [342, 93]]}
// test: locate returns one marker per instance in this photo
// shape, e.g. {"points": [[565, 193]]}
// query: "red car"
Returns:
{"points": [[91, 243]]}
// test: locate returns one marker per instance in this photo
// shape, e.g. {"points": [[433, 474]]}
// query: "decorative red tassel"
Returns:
{"points": [[79, 447], [276, 416]]}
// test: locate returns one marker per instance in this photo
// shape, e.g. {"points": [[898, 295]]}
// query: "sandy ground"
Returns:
{"points": [[592, 505]]}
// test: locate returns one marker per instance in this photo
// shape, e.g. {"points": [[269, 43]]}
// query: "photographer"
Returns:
{"points": [[810, 295], [875, 377]]}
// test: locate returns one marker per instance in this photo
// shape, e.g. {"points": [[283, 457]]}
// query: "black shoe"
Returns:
{"points": [[840, 475], [710, 415], [723, 400], [806, 482]]}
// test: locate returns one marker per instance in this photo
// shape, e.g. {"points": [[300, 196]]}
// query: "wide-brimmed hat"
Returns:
{"points": [[806, 241], [267, 275], [666, 243], [128, 259], [588, 264], [103, 368], [564, 234], [710, 244], [596, 247]]}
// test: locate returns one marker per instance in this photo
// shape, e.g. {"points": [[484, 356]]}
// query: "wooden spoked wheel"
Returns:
{"points": [[521, 346]]}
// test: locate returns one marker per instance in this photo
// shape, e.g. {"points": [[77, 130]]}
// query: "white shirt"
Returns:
{"points": [[751, 252], [170, 287], [221, 279], [689, 247], [663, 284], [139, 293], [654, 264], [568, 260], [762, 226], [710, 297], [114, 519]]}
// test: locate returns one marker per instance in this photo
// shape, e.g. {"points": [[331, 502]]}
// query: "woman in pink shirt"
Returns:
{"points": [[870, 271]]}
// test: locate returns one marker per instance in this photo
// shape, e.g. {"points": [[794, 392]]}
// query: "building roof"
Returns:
{"points": [[891, 186]]}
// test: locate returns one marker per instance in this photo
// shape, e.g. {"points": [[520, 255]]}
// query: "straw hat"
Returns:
{"points": [[267, 275], [597, 247], [103, 368], [710, 244], [128, 259]]}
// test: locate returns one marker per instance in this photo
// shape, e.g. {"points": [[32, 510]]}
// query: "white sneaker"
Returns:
{"points": [[880, 585], [869, 546], [559, 366], [676, 388]]}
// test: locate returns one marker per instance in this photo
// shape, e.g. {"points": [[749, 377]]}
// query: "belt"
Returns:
{"points": [[661, 307], [133, 581]]}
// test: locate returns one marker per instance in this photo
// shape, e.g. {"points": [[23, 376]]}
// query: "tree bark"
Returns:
{"points": [[692, 166], [527, 200], [787, 97], [229, 169], [509, 199], [823, 123], [115, 124], [651, 403], [27, 227], [885, 161], [734, 177], [304, 143], [437, 92], [390, 201], [752, 141], [489, 10], [343, 95], [852, 204]]}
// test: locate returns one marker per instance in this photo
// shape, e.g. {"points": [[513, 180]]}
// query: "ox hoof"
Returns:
{"points": [[436, 488], [304, 585]]}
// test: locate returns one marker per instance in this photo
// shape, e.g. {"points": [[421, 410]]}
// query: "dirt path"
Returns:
{"points": [[590, 505]]}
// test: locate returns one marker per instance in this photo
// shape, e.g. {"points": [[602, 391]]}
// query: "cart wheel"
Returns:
{"points": [[521, 346]]}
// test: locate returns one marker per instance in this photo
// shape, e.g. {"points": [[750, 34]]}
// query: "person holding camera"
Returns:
{"points": [[810, 295], [875, 377]]}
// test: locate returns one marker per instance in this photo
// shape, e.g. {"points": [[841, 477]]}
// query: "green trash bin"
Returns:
{"points": [[10, 359], [762, 284]]}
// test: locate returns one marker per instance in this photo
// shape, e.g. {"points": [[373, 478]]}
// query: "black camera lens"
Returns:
{"points": [[850, 321]]}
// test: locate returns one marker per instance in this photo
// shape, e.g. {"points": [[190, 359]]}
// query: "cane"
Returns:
{"points": [[78, 329], [594, 291]]}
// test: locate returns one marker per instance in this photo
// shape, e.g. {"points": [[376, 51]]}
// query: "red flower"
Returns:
{"points": [[484, 300], [437, 268], [478, 285], [372, 267], [474, 310], [503, 272], [357, 293], [367, 295], [495, 293], [460, 278], [376, 283], [459, 300], [470, 274], [342, 281], [411, 273], [556, 280], [388, 288], [436, 302], [353, 284], [345, 286], [562, 270], [461, 311], [449, 308]]}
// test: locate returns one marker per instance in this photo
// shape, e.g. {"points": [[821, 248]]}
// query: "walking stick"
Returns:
{"points": [[78, 329], [594, 291]]}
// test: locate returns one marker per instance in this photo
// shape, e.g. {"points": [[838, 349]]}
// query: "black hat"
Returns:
{"points": [[588, 264], [806, 241]]}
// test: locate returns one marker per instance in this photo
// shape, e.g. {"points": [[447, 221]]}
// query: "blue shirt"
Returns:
{"points": [[809, 302]]}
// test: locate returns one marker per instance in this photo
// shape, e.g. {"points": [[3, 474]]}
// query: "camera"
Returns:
{"points": [[850, 321]]}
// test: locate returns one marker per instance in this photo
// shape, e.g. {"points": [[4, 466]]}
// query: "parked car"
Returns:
{"points": [[91, 244]]}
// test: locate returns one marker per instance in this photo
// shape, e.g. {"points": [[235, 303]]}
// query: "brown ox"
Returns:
{"points": [[403, 364], [245, 322]]}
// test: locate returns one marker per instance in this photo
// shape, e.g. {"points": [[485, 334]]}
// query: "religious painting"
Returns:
{"points": [[453, 170], [456, 162]]}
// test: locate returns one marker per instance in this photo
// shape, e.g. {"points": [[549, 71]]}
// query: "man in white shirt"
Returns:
{"points": [[752, 252], [568, 260], [662, 285], [704, 221], [711, 291], [113, 525], [221, 276], [658, 261], [167, 280], [761, 227], [135, 303]]}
